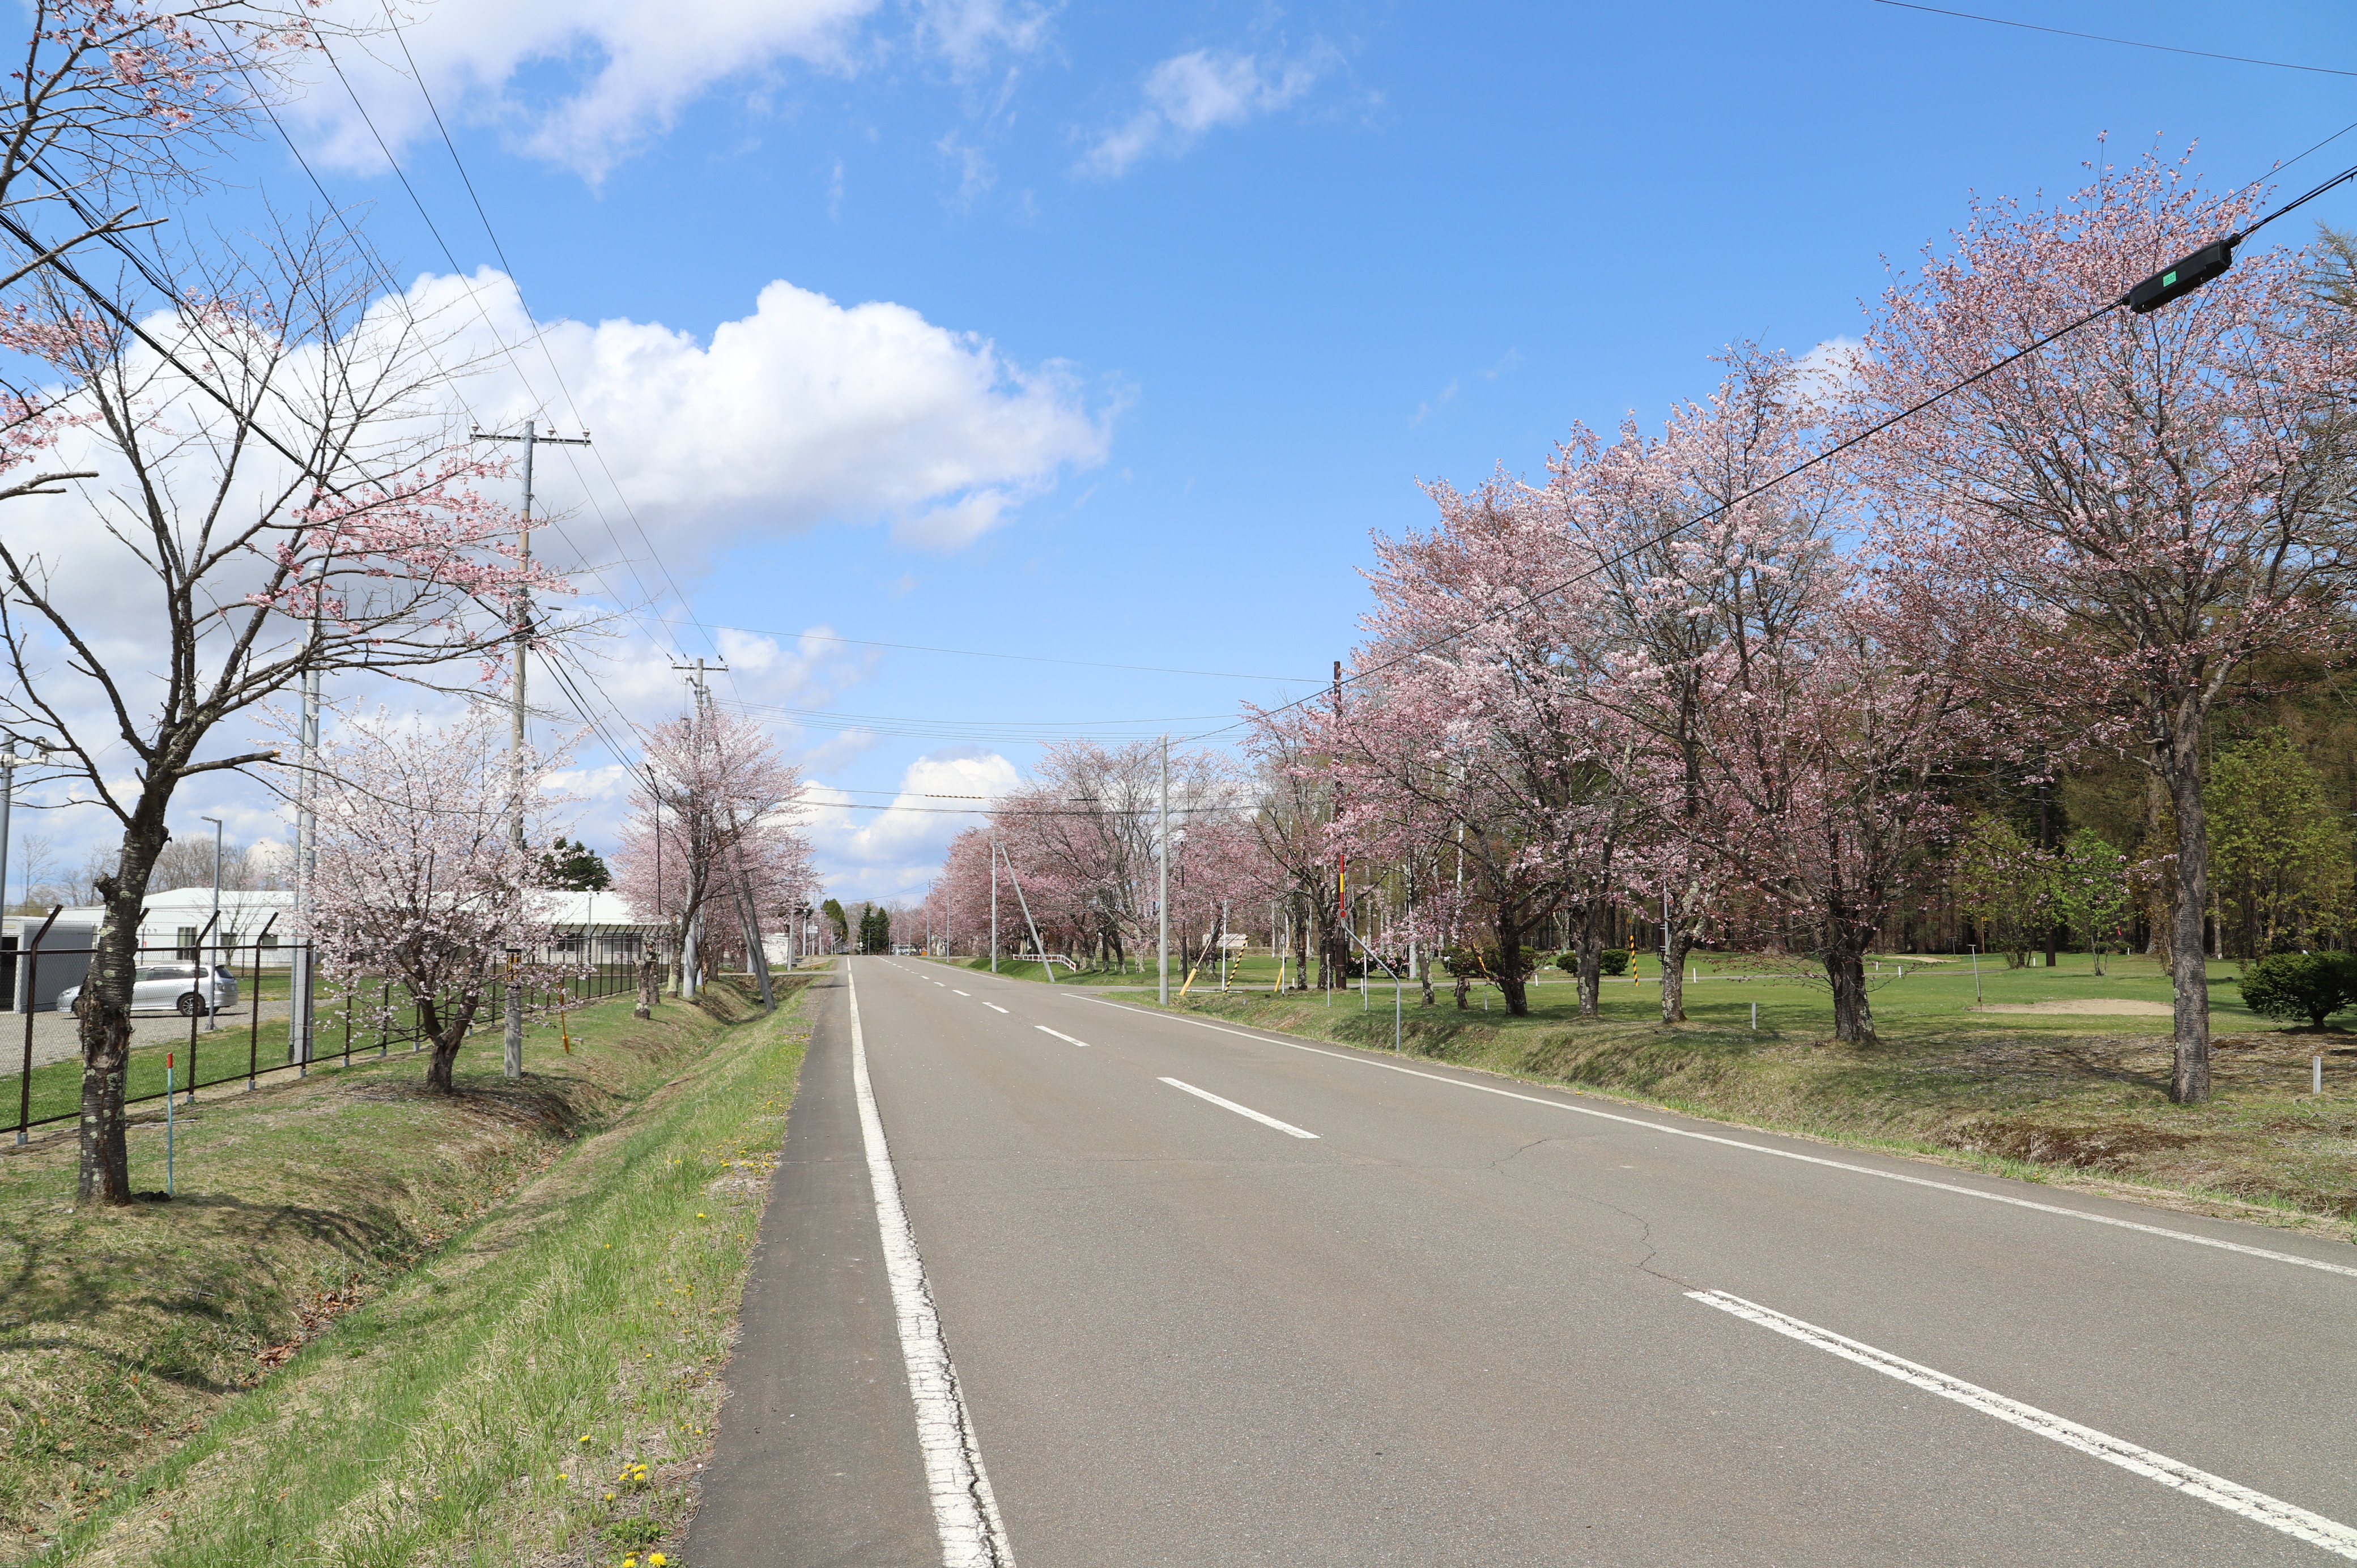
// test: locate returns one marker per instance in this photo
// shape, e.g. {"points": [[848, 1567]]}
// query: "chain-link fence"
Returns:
{"points": [[291, 1025]]}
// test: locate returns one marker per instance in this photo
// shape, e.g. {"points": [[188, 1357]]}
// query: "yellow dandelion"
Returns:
{"points": [[657, 1560]]}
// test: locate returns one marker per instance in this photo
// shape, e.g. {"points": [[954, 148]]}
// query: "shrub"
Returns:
{"points": [[1487, 963], [2294, 986], [1611, 961]]}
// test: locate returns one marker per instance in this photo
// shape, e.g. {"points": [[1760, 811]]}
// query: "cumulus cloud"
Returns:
{"points": [[1191, 93], [885, 853], [1830, 369], [804, 412], [583, 84]]}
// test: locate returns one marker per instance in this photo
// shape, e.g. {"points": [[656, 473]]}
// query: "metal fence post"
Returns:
{"points": [[32, 973]]}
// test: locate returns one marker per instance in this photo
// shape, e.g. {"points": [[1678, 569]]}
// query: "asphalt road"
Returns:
{"points": [[1468, 1322]]}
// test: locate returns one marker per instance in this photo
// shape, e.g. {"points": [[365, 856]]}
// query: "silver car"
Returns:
{"points": [[183, 988]]}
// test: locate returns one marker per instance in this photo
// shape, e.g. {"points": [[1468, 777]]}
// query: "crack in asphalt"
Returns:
{"points": [[1644, 1226], [1645, 1239]]}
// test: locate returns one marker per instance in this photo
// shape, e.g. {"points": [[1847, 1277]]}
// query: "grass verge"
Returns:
{"points": [[2075, 1100], [382, 1326]]}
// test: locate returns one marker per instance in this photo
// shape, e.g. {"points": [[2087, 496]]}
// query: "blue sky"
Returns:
{"points": [[1143, 317]]}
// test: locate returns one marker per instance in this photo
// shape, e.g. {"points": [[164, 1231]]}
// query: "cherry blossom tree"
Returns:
{"points": [[2151, 503], [1690, 571], [1470, 726], [418, 877], [111, 107], [713, 827], [262, 491]]}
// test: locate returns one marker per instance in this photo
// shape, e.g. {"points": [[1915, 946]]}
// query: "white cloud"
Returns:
{"points": [[883, 853], [622, 71], [1189, 95], [970, 34], [805, 411], [1828, 369]]}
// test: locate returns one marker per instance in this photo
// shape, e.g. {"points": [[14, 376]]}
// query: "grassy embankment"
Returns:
{"points": [[380, 1325], [2075, 1097]]}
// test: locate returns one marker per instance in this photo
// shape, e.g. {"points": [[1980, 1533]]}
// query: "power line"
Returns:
{"points": [[1667, 534], [540, 338], [1023, 658], [2100, 38]]}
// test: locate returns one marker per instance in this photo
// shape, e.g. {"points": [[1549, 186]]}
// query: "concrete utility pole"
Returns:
{"points": [[212, 1014], [9, 762], [994, 906], [692, 939], [1162, 894], [513, 1063], [307, 856]]}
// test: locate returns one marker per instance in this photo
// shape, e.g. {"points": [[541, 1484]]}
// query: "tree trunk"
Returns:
{"points": [[447, 1035], [649, 988], [105, 1011], [1511, 979], [1853, 1015], [2189, 1081], [1591, 973], [1464, 991], [1678, 941]]}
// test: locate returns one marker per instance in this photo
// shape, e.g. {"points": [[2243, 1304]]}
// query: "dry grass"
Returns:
{"points": [[303, 1209], [2040, 1099]]}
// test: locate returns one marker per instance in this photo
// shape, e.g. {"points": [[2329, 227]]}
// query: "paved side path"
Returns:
{"points": [[817, 1462], [1219, 1297]]}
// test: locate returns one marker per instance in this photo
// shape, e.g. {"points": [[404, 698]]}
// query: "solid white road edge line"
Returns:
{"points": [[1061, 1036], [1239, 1109], [2298, 1522], [1762, 1148], [993, 1007], [966, 1514]]}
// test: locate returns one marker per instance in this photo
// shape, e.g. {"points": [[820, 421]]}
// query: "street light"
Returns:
{"points": [[11, 760]]}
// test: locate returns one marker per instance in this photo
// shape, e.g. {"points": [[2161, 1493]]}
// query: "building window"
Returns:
{"points": [[187, 942], [269, 940]]}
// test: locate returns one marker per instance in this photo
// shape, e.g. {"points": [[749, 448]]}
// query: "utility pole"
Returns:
{"points": [[212, 1014], [10, 760], [1162, 894], [692, 939], [994, 906], [513, 1063], [307, 855]]}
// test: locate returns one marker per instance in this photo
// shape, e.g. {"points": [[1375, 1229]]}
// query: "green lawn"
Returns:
{"points": [[2049, 1096], [1907, 991], [222, 1055]]}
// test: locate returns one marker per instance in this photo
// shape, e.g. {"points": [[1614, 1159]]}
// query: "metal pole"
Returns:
{"points": [[1976, 974], [204, 999], [7, 799], [24, 1082], [212, 1022], [168, 1121], [254, 1014], [1162, 894]]}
